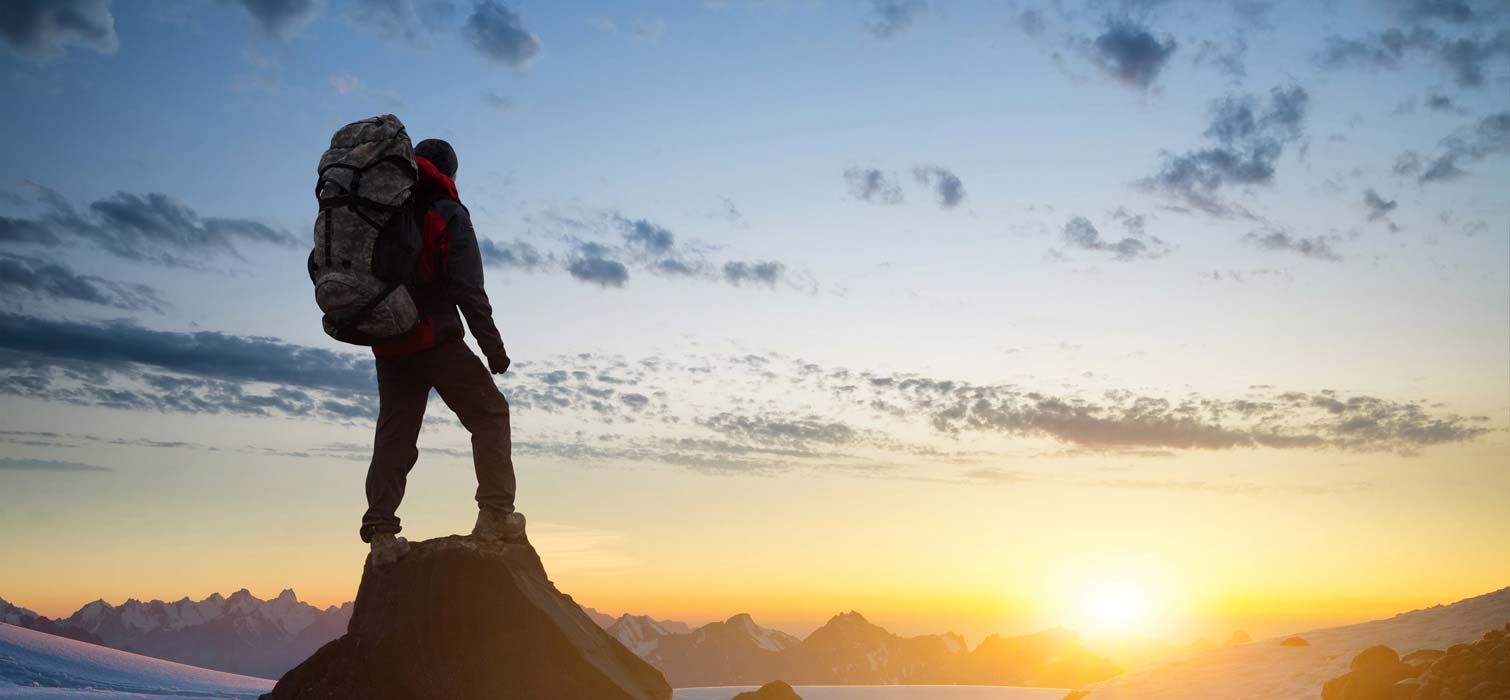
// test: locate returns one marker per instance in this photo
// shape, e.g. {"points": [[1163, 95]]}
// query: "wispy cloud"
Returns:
{"points": [[46, 465], [890, 17], [1249, 135], [154, 228]]}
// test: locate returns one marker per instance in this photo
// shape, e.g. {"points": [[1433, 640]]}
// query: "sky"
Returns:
{"points": [[968, 316]]}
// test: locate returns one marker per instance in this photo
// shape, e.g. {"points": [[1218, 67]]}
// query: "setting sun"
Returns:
{"points": [[1115, 607]]}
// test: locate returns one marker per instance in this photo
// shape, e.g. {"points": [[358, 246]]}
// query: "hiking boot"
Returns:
{"points": [[494, 526], [387, 548]]}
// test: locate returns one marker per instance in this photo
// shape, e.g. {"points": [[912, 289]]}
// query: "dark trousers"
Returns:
{"points": [[404, 385]]}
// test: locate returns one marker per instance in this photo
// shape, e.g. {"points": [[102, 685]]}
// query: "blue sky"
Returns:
{"points": [[1223, 255]]}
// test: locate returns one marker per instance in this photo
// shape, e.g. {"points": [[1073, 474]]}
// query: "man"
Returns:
{"points": [[433, 356]]}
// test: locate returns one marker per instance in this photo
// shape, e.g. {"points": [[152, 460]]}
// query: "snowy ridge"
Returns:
{"points": [[767, 639], [1264, 670], [640, 633], [13, 615], [38, 665], [285, 613]]}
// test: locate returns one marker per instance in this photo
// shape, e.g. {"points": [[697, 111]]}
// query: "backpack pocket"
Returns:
{"points": [[355, 313]]}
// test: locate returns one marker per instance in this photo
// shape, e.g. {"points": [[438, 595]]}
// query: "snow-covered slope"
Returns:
{"points": [[41, 666], [1264, 670], [640, 633]]}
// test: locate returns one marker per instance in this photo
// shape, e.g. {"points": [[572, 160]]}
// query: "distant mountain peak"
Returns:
{"points": [[850, 619]]}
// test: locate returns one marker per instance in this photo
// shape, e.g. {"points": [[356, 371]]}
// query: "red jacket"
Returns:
{"points": [[448, 278]]}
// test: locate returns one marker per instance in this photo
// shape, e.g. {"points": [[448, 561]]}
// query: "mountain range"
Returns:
{"points": [[240, 633], [243, 634], [849, 649]]}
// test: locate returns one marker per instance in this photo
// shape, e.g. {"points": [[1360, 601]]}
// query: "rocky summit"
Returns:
{"points": [[460, 619], [1477, 671], [775, 690]]}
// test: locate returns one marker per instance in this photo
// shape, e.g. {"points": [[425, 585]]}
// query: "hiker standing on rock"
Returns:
{"points": [[433, 355], [394, 261]]}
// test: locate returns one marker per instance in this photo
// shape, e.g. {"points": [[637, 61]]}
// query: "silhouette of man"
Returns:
{"points": [[433, 356]]}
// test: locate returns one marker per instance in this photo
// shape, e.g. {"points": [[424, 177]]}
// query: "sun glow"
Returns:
{"points": [[1117, 599], [1115, 607]]}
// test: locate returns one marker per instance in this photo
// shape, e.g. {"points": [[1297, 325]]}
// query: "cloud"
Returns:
{"points": [[153, 228], [1407, 163], [647, 238], [946, 185], [1488, 137], [498, 32], [1250, 136], [793, 433], [1080, 233], [1030, 21], [42, 30], [51, 280], [1122, 420], [500, 103], [517, 255], [1467, 59], [1227, 58], [46, 465], [1280, 238], [121, 365], [872, 185], [1236, 488], [124, 344], [1442, 169], [727, 411], [282, 18], [1378, 207], [1131, 54], [761, 272], [889, 17], [1451, 11], [605, 248], [408, 20], [591, 265]]}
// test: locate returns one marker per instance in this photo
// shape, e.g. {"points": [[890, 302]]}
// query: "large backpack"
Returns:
{"points": [[367, 235]]}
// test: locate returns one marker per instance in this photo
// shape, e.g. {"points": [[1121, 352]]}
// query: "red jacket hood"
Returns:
{"points": [[433, 180]]}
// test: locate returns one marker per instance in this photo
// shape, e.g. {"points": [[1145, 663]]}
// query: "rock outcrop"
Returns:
{"points": [[459, 619], [775, 690], [1371, 676], [1294, 642], [1477, 671]]}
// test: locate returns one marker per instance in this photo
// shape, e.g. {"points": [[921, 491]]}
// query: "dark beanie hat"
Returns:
{"points": [[440, 153]]}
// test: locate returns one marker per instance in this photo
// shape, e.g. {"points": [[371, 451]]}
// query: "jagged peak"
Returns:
{"points": [[741, 619], [848, 618], [288, 596]]}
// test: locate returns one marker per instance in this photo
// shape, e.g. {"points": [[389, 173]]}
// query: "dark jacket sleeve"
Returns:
{"points": [[464, 281]]}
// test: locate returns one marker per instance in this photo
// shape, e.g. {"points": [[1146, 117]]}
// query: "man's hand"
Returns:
{"points": [[499, 363]]}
